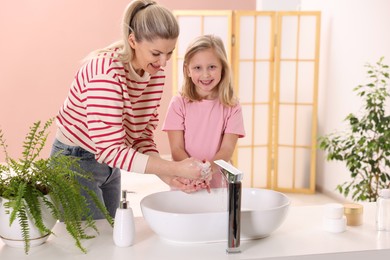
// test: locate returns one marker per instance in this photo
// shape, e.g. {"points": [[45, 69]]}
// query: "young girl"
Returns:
{"points": [[205, 120], [110, 114]]}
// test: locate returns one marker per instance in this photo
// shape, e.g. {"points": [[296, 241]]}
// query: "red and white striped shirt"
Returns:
{"points": [[112, 112]]}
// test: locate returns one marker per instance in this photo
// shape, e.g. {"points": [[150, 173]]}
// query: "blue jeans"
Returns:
{"points": [[106, 183]]}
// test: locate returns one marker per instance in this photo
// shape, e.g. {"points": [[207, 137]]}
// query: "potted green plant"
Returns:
{"points": [[34, 189], [365, 145]]}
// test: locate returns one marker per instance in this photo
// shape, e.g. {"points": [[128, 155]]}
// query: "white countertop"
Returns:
{"points": [[300, 237]]}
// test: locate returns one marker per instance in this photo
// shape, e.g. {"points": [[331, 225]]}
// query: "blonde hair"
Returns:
{"points": [[225, 86], [147, 21]]}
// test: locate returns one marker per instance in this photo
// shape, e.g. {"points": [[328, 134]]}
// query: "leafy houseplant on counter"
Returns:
{"points": [[365, 146], [32, 190]]}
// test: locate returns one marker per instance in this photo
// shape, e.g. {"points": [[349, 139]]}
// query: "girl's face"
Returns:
{"points": [[150, 56], [205, 70]]}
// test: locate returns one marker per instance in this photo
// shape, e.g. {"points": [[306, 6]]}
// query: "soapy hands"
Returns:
{"points": [[196, 176], [193, 185], [189, 168]]}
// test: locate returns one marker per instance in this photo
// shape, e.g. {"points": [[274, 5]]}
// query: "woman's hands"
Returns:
{"points": [[188, 168], [192, 185]]}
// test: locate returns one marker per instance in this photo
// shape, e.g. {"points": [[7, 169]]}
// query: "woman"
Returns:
{"points": [[110, 113]]}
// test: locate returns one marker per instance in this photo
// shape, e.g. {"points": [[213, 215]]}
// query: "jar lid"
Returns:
{"points": [[353, 208], [333, 210]]}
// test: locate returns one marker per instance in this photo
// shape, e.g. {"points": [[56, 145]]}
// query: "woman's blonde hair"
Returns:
{"points": [[224, 87], [147, 21]]}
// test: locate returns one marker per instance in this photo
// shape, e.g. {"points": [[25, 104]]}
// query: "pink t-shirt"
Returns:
{"points": [[204, 123]]}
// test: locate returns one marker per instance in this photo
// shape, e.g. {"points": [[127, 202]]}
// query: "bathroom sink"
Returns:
{"points": [[202, 217]]}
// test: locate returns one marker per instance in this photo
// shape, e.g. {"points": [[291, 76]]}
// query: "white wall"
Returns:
{"points": [[354, 32]]}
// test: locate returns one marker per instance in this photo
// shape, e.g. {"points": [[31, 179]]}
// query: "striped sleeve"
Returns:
{"points": [[112, 116]]}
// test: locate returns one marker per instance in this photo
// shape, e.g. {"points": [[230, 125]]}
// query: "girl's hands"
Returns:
{"points": [[190, 186], [192, 175], [189, 168], [184, 184], [193, 185]]}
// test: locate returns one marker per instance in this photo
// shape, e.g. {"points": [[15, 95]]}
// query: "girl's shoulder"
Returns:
{"points": [[231, 103]]}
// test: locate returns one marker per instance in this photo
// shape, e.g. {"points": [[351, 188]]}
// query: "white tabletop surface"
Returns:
{"points": [[301, 236]]}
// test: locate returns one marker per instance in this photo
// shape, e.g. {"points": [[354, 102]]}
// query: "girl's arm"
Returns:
{"points": [[226, 150], [176, 142]]}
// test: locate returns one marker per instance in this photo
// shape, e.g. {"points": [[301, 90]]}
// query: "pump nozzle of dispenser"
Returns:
{"points": [[124, 203]]}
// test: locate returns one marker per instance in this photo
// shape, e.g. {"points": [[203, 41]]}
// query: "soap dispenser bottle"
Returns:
{"points": [[124, 229]]}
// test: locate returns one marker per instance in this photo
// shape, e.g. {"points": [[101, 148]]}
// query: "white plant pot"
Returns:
{"points": [[12, 235]]}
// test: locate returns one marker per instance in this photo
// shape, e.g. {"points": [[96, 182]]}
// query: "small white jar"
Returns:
{"points": [[334, 220]]}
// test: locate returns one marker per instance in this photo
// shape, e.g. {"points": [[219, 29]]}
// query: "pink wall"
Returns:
{"points": [[41, 45]]}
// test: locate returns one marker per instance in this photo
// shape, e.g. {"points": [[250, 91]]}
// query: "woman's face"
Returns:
{"points": [[205, 70], [150, 56]]}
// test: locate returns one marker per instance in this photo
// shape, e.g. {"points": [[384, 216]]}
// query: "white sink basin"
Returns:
{"points": [[202, 217]]}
